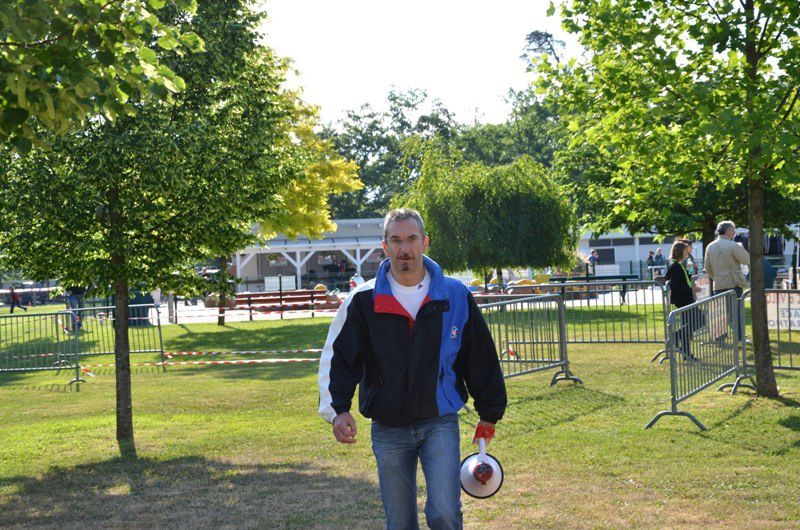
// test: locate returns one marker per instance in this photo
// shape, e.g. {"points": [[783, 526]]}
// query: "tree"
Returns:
{"points": [[137, 201], [683, 90], [694, 208], [529, 130], [484, 218], [374, 141], [66, 60]]}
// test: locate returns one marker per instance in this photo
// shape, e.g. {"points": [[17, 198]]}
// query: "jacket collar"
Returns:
{"points": [[384, 300]]}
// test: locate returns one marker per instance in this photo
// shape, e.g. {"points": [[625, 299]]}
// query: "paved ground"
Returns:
{"points": [[194, 314]]}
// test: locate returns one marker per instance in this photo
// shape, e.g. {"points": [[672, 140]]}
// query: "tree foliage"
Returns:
{"points": [[482, 218], [65, 60], [679, 94], [137, 201], [530, 130], [374, 140]]}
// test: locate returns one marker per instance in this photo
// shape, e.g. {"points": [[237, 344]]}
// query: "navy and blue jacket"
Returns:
{"points": [[410, 370]]}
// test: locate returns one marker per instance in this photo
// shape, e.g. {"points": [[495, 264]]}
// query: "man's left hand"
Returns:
{"points": [[484, 430]]}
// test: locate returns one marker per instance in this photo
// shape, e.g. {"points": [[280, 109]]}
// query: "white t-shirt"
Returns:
{"points": [[411, 298]]}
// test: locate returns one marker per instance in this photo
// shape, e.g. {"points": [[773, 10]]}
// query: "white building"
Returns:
{"points": [[356, 243]]}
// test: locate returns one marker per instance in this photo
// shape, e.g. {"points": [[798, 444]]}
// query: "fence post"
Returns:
{"points": [[280, 294], [564, 374], [665, 317], [250, 305], [313, 305], [161, 342], [741, 350]]}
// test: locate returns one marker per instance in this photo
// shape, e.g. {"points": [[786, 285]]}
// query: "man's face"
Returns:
{"points": [[731, 233], [405, 245], [658, 252]]}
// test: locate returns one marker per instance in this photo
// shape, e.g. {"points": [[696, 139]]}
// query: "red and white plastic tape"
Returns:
{"points": [[195, 363], [173, 354]]}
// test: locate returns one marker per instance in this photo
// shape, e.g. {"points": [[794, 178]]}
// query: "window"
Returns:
{"points": [[606, 255]]}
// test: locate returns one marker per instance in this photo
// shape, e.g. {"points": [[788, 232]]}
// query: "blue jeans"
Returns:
{"points": [[436, 444]]}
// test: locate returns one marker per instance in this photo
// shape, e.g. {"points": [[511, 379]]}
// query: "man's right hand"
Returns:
{"points": [[344, 428]]}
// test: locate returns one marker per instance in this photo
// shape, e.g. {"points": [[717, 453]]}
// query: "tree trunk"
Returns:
{"points": [[122, 349], [221, 315], [222, 296], [765, 374], [500, 279], [709, 232]]}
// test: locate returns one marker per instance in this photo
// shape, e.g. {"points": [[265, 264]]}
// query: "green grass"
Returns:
{"points": [[243, 446]]}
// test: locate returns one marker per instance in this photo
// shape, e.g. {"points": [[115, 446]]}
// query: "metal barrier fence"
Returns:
{"points": [[703, 347], [783, 321], [613, 311], [95, 326], [783, 325], [530, 335], [58, 340], [41, 341]]}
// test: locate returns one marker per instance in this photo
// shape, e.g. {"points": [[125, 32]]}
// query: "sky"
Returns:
{"points": [[351, 52]]}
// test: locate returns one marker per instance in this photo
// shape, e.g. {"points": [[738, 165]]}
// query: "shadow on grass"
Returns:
{"points": [[189, 492], [552, 408], [267, 372], [17, 379]]}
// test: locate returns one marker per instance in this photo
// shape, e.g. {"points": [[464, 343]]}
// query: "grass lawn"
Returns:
{"points": [[243, 446]]}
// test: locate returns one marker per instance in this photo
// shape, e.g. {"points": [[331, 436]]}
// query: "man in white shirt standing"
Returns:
{"points": [[416, 344]]}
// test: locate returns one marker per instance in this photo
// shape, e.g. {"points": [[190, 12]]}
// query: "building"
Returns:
{"points": [[355, 248]]}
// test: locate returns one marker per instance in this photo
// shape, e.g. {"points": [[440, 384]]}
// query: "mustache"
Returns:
{"points": [[405, 256]]}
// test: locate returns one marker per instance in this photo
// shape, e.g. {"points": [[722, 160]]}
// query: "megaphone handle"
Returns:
{"points": [[482, 449]]}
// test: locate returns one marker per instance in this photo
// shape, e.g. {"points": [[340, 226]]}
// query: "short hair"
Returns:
{"points": [[677, 250], [401, 214], [724, 226]]}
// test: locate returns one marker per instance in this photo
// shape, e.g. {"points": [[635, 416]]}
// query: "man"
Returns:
{"points": [[724, 259], [16, 301], [415, 342], [723, 262]]}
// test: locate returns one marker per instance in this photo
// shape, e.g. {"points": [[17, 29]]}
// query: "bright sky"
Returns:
{"points": [[463, 52]]}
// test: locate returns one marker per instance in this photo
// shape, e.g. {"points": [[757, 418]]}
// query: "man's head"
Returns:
{"points": [[595, 253], [658, 251], [727, 229], [404, 240]]}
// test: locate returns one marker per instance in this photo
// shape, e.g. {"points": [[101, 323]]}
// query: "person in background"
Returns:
{"points": [[15, 300], [651, 259], [691, 266], [723, 261], [594, 257], [659, 259], [682, 293]]}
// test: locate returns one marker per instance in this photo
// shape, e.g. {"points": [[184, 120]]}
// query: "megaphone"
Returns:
{"points": [[481, 473]]}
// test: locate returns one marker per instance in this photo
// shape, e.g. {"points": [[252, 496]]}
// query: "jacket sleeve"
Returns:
{"points": [[481, 367], [741, 255], [340, 365]]}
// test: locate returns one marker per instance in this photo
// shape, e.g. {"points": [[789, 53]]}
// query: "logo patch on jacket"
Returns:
{"points": [[454, 332]]}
